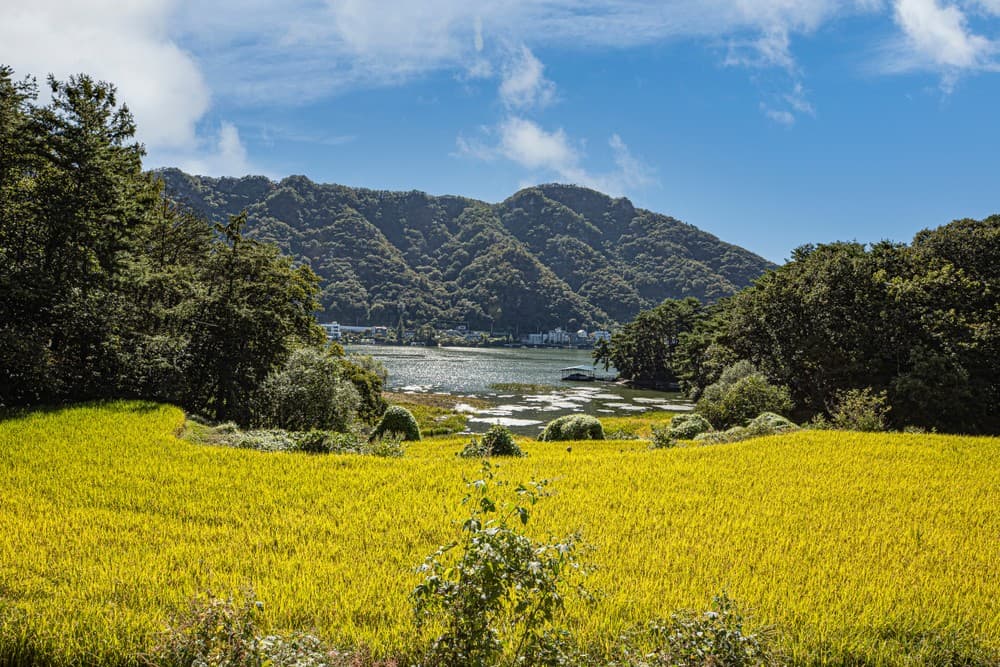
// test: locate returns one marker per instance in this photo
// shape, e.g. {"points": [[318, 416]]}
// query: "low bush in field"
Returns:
{"points": [[769, 423], [224, 632], [766, 423], [690, 639], [662, 438], [860, 410], [573, 427], [686, 427], [397, 420], [498, 441]]}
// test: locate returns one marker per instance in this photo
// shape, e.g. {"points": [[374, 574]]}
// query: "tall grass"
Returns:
{"points": [[858, 547]]}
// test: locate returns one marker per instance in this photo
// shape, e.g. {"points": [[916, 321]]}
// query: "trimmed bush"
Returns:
{"points": [[573, 427], [397, 420], [686, 427], [769, 423], [498, 441], [766, 423]]}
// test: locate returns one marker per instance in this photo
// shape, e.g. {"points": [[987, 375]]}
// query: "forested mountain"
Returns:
{"points": [[551, 255]]}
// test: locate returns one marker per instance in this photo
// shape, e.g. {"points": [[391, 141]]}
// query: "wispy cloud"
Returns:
{"points": [[937, 37], [552, 154], [223, 154], [524, 84]]}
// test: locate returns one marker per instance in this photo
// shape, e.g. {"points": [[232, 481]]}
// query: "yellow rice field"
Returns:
{"points": [[852, 545]]}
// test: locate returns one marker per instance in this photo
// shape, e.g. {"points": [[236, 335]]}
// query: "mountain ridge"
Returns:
{"points": [[548, 255]]}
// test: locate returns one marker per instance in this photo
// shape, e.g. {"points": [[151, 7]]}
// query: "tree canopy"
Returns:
{"points": [[108, 289]]}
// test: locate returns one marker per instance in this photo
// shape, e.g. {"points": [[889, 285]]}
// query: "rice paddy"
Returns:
{"points": [[856, 547]]}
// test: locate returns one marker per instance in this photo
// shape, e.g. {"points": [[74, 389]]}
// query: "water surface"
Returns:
{"points": [[470, 372]]}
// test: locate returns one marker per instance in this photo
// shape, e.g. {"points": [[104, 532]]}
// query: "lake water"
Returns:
{"points": [[470, 372]]}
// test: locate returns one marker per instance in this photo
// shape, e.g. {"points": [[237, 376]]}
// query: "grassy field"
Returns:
{"points": [[857, 548]]}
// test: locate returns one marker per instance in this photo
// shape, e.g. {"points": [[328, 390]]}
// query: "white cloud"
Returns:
{"points": [[124, 43], [225, 156], [311, 49], [939, 36], [770, 49], [552, 154], [526, 143], [524, 84]]}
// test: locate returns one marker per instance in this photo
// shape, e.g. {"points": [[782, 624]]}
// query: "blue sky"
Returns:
{"points": [[770, 123]]}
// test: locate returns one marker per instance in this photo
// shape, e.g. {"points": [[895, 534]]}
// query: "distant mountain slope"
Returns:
{"points": [[551, 255]]}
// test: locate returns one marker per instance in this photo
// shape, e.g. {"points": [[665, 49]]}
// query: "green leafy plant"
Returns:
{"points": [[690, 639], [397, 420], [662, 438], [387, 445], [573, 427], [860, 410], [495, 596], [498, 441]]}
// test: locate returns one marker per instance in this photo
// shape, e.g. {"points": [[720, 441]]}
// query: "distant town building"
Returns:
{"points": [[332, 330], [602, 335]]}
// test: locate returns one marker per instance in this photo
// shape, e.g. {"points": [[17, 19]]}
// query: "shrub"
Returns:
{"points": [[860, 410], [368, 376], [689, 639], [769, 423], [397, 420], [741, 393], [498, 441], [573, 427], [662, 438], [387, 445], [314, 442], [309, 392], [494, 596], [274, 440], [734, 434], [224, 632], [686, 427]]}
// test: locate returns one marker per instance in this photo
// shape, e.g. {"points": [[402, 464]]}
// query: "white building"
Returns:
{"points": [[332, 330], [602, 335]]}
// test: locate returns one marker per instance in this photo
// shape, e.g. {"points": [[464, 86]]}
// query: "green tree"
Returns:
{"points": [[256, 306], [645, 350]]}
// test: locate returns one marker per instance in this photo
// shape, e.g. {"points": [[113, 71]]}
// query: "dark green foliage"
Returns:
{"points": [[397, 420], [497, 441], [495, 596], [573, 427], [107, 289], [919, 322], [686, 427], [549, 256], [741, 393], [644, 351], [860, 410]]}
